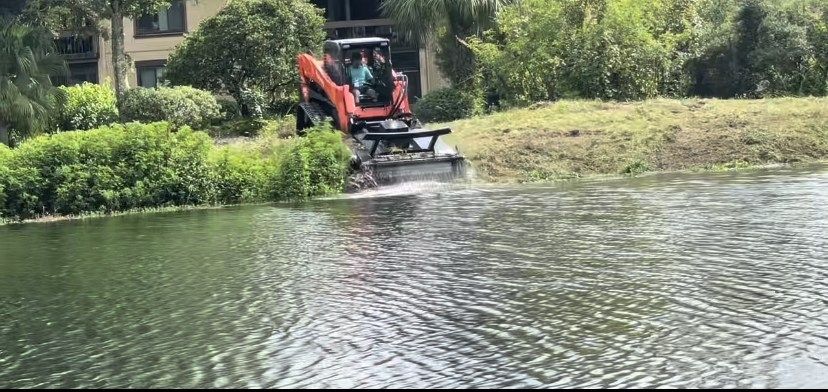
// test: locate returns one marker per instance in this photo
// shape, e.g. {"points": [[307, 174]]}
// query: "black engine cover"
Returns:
{"points": [[392, 126]]}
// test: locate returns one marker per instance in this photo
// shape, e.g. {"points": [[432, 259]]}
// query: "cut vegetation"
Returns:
{"points": [[572, 139]]}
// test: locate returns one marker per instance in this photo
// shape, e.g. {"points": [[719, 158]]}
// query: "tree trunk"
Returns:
{"points": [[4, 134], [236, 93], [118, 56]]}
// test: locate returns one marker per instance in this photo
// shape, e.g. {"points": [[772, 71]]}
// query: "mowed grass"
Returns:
{"points": [[571, 139]]}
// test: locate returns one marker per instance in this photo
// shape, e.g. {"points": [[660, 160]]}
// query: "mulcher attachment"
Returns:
{"points": [[389, 152]]}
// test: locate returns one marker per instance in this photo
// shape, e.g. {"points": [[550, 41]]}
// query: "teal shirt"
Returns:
{"points": [[360, 75]]}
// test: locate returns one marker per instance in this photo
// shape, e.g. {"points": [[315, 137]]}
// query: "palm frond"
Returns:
{"points": [[28, 60], [419, 20]]}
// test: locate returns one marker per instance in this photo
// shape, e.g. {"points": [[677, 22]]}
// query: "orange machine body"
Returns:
{"points": [[313, 76]]}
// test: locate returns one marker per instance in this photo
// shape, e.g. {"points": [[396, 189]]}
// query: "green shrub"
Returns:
{"points": [[123, 167], [247, 127], [107, 169], [180, 106], [229, 108], [5, 154], [88, 106], [313, 165], [544, 50], [240, 176], [767, 48], [283, 128], [142, 105], [445, 104]]}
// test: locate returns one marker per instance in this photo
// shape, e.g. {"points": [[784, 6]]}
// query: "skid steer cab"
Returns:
{"points": [[354, 87]]}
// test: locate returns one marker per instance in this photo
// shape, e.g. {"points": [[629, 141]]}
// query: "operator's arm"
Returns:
{"points": [[349, 76], [368, 76]]}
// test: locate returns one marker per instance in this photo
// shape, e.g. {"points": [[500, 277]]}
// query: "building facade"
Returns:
{"points": [[150, 39]]}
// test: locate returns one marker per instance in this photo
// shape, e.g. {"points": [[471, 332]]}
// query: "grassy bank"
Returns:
{"points": [[572, 139]]}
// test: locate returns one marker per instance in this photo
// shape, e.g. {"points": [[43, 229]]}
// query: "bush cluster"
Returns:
{"points": [[445, 104], [132, 166], [180, 106], [545, 50], [229, 108], [316, 164], [88, 106]]}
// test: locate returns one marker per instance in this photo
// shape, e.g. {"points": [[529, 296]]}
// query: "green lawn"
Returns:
{"points": [[571, 139]]}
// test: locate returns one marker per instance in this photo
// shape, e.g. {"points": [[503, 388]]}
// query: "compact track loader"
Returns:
{"points": [[389, 144]]}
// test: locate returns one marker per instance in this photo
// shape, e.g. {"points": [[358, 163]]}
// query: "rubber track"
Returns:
{"points": [[315, 113]]}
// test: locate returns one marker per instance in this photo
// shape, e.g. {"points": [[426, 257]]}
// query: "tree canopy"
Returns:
{"points": [[249, 48], [624, 49], [105, 17]]}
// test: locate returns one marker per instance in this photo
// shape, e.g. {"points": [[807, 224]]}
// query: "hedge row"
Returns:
{"points": [[446, 104], [90, 106], [179, 106], [124, 167]]}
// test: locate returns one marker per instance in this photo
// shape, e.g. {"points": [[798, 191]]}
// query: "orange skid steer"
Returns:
{"points": [[387, 141]]}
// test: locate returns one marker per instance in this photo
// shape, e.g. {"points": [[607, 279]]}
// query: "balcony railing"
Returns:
{"points": [[77, 47]]}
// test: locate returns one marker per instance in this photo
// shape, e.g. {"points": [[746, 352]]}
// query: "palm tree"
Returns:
{"points": [[27, 61], [418, 21]]}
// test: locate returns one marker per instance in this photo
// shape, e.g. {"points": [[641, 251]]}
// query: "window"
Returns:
{"points": [[77, 47], [334, 9], [79, 73], [340, 10], [365, 9], [149, 73], [168, 22], [407, 61]]}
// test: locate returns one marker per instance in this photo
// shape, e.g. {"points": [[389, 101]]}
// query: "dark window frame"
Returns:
{"points": [[148, 64], [69, 81], [371, 13], [139, 34]]}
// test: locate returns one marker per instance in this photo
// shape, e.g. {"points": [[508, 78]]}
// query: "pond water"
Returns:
{"points": [[691, 280]]}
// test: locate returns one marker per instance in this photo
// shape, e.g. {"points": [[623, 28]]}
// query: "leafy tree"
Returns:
{"points": [[249, 48], [89, 16], [55, 15], [767, 47], [627, 49], [551, 49], [451, 23], [27, 61]]}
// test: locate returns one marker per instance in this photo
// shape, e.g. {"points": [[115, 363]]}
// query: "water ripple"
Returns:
{"points": [[696, 281]]}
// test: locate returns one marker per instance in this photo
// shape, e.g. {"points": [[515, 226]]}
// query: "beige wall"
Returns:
{"points": [[154, 48], [432, 79]]}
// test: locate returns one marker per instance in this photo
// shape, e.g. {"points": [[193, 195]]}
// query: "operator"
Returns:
{"points": [[383, 78], [332, 68], [360, 74]]}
